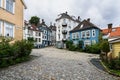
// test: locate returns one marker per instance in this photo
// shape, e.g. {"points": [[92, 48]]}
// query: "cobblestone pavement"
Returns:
{"points": [[56, 64]]}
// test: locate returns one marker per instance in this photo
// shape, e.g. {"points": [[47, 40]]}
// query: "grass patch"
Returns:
{"points": [[111, 71]]}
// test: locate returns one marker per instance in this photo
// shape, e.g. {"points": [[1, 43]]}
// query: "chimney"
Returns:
{"points": [[110, 27], [43, 21], [79, 18], [88, 19], [66, 12]]}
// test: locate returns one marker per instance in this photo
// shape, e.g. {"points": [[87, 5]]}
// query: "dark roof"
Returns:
{"points": [[65, 15], [84, 25], [43, 24], [53, 27]]}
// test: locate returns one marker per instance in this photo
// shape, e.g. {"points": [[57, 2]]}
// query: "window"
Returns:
{"points": [[73, 35], [93, 33], [0, 3], [77, 35], [93, 41], [83, 34], [59, 36], [10, 5], [0, 28], [9, 30], [39, 34], [87, 43], [88, 34], [39, 39]]}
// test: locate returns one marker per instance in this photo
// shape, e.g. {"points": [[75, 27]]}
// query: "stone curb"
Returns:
{"points": [[107, 70]]}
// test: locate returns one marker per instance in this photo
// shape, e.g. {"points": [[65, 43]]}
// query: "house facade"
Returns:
{"points": [[53, 38], [115, 48], [11, 18], [86, 32], [31, 31], [64, 24], [47, 33], [113, 36]]}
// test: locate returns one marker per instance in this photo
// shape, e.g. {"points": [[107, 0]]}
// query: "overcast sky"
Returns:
{"points": [[101, 12]]}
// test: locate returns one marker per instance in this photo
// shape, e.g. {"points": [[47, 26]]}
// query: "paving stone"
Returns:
{"points": [[56, 64]]}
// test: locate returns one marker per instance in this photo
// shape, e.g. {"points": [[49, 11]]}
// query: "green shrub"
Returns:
{"points": [[93, 49], [72, 48], [114, 64], [68, 44], [24, 48], [104, 46], [15, 53]]}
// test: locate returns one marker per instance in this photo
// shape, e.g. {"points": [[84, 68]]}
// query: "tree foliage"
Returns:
{"points": [[34, 20]]}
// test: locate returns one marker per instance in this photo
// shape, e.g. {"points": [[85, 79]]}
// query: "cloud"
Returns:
{"points": [[101, 12]]}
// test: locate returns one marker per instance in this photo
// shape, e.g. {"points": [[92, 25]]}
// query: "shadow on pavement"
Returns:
{"points": [[97, 64]]}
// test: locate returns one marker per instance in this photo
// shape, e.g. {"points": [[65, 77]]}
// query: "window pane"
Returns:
{"points": [[0, 28], [0, 3], [9, 5], [9, 30]]}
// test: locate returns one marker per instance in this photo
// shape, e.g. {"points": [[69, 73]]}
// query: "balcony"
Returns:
{"points": [[64, 24], [64, 31], [64, 40]]}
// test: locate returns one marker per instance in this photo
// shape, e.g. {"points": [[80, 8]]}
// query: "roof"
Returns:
{"points": [[33, 27], [53, 27], [24, 4], [43, 24], [65, 15], [115, 40], [84, 25], [115, 32]]}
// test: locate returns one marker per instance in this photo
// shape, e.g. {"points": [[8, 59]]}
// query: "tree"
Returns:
{"points": [[34, 20]]}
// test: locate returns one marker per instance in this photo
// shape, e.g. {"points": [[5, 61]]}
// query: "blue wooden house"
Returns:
{"points": [[46, 35], [86, 32]]}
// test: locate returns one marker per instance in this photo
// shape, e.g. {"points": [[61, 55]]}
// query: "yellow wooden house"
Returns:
{"points": [[12, 18], [115, 47]]}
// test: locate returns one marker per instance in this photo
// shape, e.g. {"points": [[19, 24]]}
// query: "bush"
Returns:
{"points": [[114, 64], [16, 53], [72, 48], [93, 49], [104, 46], [68, 44], [24, 48]]}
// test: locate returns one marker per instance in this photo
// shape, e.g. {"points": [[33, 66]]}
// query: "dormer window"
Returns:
{"points": [[81, 26], [10, 5], [113, 30]]}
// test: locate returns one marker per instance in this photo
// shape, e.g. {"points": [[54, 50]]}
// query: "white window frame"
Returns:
{"points": [[94, 33], [1, 27], [82, 34], [1, 3], [13, 10], [87, 42], [13, 26], [77, 35], [73, 36], [86, 34]]}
